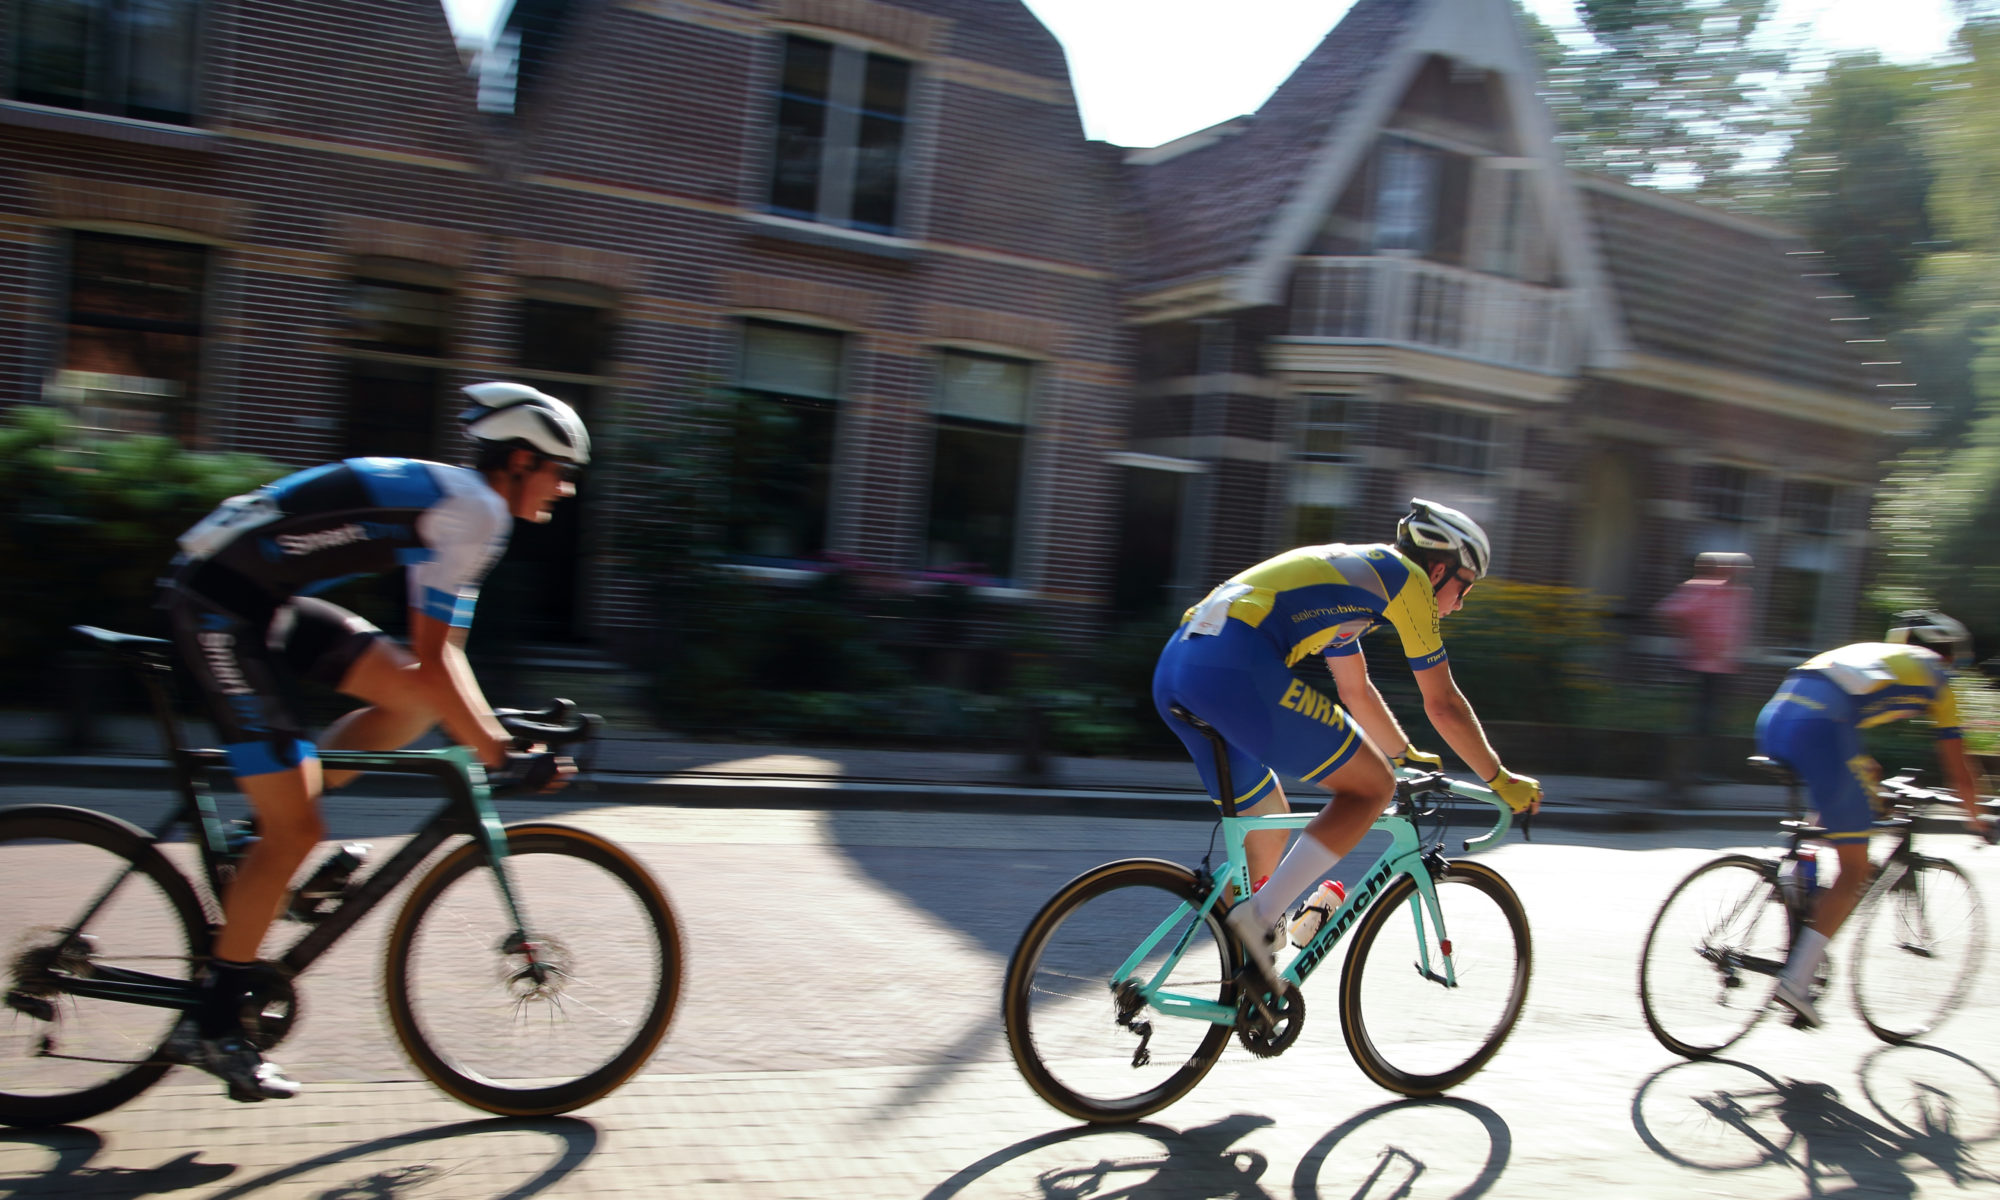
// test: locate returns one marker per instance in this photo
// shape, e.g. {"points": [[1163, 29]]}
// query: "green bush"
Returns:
{"points": [[87, 527], [1519, 652]]}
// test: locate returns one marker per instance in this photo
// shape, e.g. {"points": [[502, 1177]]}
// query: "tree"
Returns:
{"points": [[1856, 180], [1667, 93]]}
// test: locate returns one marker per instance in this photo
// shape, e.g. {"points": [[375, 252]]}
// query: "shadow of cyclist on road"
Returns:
{"points": [[72, 1174], [1130, 1162]]}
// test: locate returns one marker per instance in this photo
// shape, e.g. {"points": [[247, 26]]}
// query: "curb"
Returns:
{"points": [[697, 789]]}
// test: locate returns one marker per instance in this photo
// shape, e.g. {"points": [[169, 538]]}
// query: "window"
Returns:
{"points": [[1810, 508], [132, 349], [1422, 196], [838, 156], [395, 329], [1725, 493], [1453, 439], [1807, 559], [130, 58], [1322, 480], [982, 416], [781, 448]]}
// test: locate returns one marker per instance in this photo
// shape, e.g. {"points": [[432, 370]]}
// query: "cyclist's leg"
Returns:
{"points": [[228, 656], [1201, 674], [1361, 787], [330, 645]]}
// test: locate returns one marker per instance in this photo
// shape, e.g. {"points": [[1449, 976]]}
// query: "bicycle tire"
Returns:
{"points": [[1697, 996], [1062, 1018], [1920, 944], [158, 927], [620, 950], [1392, 1016]]}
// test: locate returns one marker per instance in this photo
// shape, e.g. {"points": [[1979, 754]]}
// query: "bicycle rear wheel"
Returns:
{"points": [[545, 1024], [1407, 1029], [1076, 1038], [1712, 956], [66, 1058], [1920, 944]]}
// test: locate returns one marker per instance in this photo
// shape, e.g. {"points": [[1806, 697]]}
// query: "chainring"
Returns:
{"points": [[1270, 1040]]}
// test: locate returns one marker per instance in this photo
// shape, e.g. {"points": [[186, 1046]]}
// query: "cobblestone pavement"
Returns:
{"points": [[839, 1037]]}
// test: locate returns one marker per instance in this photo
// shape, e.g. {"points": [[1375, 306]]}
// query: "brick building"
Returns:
{"points": [[937, 329]]}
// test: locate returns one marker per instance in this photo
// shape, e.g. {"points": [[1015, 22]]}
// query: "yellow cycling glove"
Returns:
{"points": [[1418, 760], [1519, 791]]}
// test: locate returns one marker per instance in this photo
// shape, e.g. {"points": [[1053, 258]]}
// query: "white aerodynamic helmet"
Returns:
{"points": [[515, 412], [1932, 630], [1431, 526]]}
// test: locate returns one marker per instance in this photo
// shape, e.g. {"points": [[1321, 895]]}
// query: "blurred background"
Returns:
{"points": [[942, 351]]}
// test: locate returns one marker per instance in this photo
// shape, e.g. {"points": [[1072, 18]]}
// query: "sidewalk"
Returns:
{"points": [[639, 767]]}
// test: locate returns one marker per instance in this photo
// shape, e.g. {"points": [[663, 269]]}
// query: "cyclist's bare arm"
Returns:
{"points": [[1363, 702], [1452, 716], [444, 679], [1959, 778]]}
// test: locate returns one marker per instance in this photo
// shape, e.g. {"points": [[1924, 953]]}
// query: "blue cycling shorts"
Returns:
{"points": [[1809, 726], [1268, 719]]}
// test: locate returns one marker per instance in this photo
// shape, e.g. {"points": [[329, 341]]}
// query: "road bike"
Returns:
{"points": [[530, 971], [1127, 985], [1712, 956]]}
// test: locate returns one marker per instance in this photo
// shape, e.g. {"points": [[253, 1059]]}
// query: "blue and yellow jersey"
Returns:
{"points": [[1889, 682], [1321, 599]]}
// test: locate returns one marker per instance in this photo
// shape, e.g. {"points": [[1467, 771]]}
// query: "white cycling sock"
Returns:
{"points": [[1807, 954], [1304, 865]]}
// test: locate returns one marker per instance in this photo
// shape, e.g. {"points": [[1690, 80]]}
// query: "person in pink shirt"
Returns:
{"points": [[1711, 614]]}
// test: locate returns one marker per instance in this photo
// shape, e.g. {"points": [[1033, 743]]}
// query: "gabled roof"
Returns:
{"points": [[1205, 210], [1241, 205], [1706, 286]]}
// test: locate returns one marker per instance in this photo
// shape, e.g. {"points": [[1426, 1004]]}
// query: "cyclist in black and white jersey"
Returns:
{"points": [[240, 599]]}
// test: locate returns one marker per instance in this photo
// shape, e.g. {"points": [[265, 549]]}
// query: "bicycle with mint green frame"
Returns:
{"points": [[531, 970], [1126, 986]]}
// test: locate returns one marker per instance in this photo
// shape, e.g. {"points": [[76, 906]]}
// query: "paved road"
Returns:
{"points": [[839, 1036]]}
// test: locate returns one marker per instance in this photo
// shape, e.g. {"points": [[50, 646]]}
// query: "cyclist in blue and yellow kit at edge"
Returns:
{"points": [[1813, 726], [1230, 664]]}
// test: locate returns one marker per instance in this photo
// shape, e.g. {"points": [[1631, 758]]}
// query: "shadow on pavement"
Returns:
{"points": [[406, 1163], [72, 1174], [1935, 1107], [1143, 1160], [1387, 1161]]}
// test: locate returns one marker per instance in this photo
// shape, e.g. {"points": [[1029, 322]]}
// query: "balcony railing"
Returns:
{"points": [[1410, 302]]}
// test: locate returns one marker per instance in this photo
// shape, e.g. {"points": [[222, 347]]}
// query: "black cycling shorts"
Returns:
{"points": [[244, 667]]}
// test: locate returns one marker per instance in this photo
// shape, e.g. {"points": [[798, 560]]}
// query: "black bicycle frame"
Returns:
{"points": [[468, 810]]}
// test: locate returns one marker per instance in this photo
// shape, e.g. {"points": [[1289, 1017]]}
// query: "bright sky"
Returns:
{"points": [[1148, 71]]}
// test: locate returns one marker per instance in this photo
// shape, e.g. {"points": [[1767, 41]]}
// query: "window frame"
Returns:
{"points": [[834, 405], [358, 357], [1008, 574], [1430, 434], [178, 413], [117, 15], [1304, 461], [841, 141]]}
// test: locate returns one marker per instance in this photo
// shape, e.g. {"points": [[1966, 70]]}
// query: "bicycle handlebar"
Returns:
{"points": [[1413, 784]]}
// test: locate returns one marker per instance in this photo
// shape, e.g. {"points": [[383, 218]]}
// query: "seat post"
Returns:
{"points": [[1221, 757]]}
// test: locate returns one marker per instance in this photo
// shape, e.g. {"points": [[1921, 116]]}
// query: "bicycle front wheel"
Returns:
{"points": [[65, 1057], [1082, 1036], [1920, 943], [1408, 1027], [1712, 957], [550, 1021]]}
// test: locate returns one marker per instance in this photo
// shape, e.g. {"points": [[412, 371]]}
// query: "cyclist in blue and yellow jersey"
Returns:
{"points": [[1230, 665], [1813, 726], [246, 623]]}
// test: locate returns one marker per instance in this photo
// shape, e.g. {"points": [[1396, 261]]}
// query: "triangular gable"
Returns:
{"points": [[1483, 34]]}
